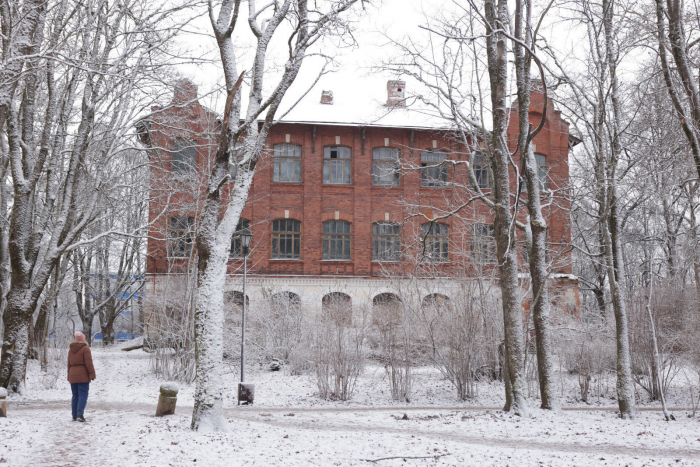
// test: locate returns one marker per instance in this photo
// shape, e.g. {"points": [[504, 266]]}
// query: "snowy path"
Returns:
{"points": [[291, 427], [354, 409], [128, 434]]}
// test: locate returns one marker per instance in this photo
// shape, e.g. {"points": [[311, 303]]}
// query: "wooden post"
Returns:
{"points": [[3, 402], [167, 399]]}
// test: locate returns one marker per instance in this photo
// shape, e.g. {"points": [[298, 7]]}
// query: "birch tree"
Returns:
{"points": [[301, 25]]}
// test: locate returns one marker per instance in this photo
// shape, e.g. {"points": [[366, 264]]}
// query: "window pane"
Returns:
{"points": [[385, 154], [286, 239], [287, 163], [336, 240], [436, 241], [541, 170], [184, 156]]}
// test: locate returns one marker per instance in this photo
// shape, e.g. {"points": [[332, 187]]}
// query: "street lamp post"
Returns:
{"points": [[246, 391]]}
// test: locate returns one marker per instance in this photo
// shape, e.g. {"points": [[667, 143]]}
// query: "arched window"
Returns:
{"points": [[288, 301], [387, 310], [336, 165], [286, 239], [235, 298], [542, 170], [481, 171], [337, 307], [433, 172], [437, 302], [181, 237], [436, 241], [184, 157], [483, 243], [286, 164], [243, 227], [385, 167], [386, 242], [336, 240]]}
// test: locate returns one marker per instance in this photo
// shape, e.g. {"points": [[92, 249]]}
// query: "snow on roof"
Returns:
{"points": [[360, 101], [359, 82]]}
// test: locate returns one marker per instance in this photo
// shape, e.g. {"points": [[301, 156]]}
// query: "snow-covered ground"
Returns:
{"points": [[290, 426]]}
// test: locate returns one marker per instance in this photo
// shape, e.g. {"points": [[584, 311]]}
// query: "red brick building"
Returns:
{"points": [[346, 207]]}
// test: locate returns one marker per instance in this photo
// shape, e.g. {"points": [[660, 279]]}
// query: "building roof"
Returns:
{"points": [[364, 103]]}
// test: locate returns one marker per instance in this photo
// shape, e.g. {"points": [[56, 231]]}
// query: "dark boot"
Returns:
{"points": [[81, 418]]}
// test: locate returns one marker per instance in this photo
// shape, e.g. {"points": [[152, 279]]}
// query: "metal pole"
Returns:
{"points": [[245, 267]]}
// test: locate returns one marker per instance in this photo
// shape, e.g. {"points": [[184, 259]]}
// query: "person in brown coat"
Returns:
{"points": [[80, 373]]}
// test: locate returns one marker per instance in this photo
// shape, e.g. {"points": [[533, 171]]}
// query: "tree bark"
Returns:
{"points": [[614, 253], [15, 345], [496, 14], [536, 235]]}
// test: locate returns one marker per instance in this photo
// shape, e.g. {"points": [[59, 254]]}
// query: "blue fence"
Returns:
{"points": [[118, 336]]}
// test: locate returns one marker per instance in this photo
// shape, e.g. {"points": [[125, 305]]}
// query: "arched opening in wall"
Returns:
{"points": [[233, 305], [233, 312], [337, 308], [387, 310], [282, 325], [285, 304], [437, 303]]}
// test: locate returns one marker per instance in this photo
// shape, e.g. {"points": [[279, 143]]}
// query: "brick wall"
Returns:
{"points": [[359, 203]]}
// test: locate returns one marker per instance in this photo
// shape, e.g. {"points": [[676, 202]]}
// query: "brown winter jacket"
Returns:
{"points": [[80, 369]]}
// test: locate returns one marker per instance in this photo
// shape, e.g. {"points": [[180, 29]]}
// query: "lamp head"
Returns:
{"points": [[246, 237]]}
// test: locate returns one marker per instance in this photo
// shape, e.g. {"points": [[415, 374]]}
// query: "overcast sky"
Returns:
{"points": [[358, 87]]}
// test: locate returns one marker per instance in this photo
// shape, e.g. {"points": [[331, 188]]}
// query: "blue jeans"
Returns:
{"points": [[80, 395]]}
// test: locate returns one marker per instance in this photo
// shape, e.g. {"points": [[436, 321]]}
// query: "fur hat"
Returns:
{"points": [[79, 336]]}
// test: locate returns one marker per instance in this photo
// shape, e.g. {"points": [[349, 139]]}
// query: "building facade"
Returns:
{"points": [[347, 210]]}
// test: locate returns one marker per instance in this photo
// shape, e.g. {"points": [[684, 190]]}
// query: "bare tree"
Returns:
{"points": [[68, 100], [536, 228], [451, 73], [308, 26], [596, 106]]}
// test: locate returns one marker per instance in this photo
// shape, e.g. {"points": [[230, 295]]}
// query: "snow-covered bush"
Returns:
{"points": [[55, 366], [170, 331], [394, 336], [586, 347], [461, 331], [278, 331], [338, 352], [671, 309]]}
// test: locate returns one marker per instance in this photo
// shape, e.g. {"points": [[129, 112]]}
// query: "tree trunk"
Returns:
{"points": [[15, 345], [599, 294], [38, 337], [625, 385], [107, 327], [537, 232], [656, 361], [496, 13], [613, 249], [87, 327]]}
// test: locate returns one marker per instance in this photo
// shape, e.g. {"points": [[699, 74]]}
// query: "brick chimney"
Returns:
{"points": [[327, 97], [395, 93], [185, 91]]}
